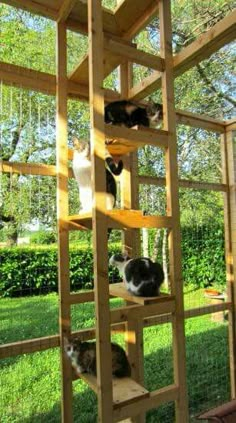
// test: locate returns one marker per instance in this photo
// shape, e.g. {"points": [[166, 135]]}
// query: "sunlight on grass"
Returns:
{"points": [[30, 384]]}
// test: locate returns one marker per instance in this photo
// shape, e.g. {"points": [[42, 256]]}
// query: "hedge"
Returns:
{"points": [[33, 270]]}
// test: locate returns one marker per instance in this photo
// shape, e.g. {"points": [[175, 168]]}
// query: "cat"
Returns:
{"points": [[142, 277], [127, 113], [83, 358], [82, 169]]}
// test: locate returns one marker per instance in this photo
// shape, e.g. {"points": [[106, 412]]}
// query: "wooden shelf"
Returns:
{"points": [[125, 390], [119, 290], [120, 219], [121, 140]]}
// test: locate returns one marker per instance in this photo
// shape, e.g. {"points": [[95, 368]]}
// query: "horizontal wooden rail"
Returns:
{"points": [[50, 170], [47, 342], [222, 33], [154, 400]]}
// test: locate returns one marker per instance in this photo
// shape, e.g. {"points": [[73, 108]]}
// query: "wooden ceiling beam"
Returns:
{"points": [[19, 76], [208, 43], [65, 10], [33, 7], [134, 55]]}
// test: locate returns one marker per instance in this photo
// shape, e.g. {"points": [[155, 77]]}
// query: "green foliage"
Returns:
{"points": [[27, 271], [203, 256], [43, 237]]}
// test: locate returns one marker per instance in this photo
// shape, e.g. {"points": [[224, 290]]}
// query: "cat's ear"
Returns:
{"points": [[125, 255], [75, 141]]}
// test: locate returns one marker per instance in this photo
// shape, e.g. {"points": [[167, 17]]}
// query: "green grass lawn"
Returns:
{"points": [[30, 384]]}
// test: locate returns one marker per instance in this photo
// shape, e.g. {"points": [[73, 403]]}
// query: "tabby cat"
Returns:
{"points": [[83, 358]]}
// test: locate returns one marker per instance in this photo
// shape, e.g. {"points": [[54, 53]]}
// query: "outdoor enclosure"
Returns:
{"points": [[194, 368]]}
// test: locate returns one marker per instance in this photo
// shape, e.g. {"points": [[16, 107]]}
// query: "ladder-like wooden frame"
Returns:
{"points": [[107, 404], [129, 318]]}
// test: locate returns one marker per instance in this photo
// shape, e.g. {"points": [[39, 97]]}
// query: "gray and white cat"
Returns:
{"points": [[83, 358], [82, 170], [141, 276]]}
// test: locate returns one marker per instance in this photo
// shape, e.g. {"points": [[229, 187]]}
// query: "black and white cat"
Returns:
{"points": [[83, 358], [141, 276], [82, 170], [127, 113]]}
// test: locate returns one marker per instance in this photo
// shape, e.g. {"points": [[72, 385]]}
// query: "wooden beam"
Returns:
{"points": [[99, 224], [156, 398], [140, 137], [199, 121], [228, 154], [183, 183], [62, 212], [218, 36], [208, 43], [35, 7], [172, 199], [134, 55], [44, 343], [46, 83], [65, 10]]}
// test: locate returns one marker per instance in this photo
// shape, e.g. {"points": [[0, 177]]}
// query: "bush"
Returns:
{"points": [[28, 271], [43, 238]]}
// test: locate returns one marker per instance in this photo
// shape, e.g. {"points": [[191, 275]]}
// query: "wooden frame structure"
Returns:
{"points": [[110, 34]]}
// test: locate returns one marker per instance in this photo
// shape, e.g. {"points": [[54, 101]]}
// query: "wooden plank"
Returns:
{"points": [[219, 35], [101, 289], [62, 211], [81, 297], [138, 135], [119, 290], [172, 196], [162, 306], [118, 219], [228, 154], [129, 189], [44, 343], [134, 55], [199, 121], [132, 16], [65, 9], [154, 400], [29, 168], [128, 219], [20, 76], [183, 183], [125, 390], [44, 8]]}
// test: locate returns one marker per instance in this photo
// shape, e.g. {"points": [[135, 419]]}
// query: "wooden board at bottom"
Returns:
{"points": [[119, 290], [125, 390]]}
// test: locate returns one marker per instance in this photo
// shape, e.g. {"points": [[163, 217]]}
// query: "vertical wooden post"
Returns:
{"points": [[228, 149], [131, 243], [173, 210], [62, 214], [99, 222]]}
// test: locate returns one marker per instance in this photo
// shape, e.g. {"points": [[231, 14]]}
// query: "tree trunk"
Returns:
{"points": [[145, 242], [165, 258], [156, 245]]}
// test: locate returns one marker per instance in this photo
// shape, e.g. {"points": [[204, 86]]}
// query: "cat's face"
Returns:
{"points": [[119, 259], [72, 348], [155, 112], [81, 146]]}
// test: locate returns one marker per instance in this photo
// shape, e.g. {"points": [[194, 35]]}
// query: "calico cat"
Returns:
{"points": [[142, 277], [83, 358], [127, 113], [82, 171]]}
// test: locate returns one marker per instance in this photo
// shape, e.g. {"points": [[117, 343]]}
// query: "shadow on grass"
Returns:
{"points": [[207, 375]]}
